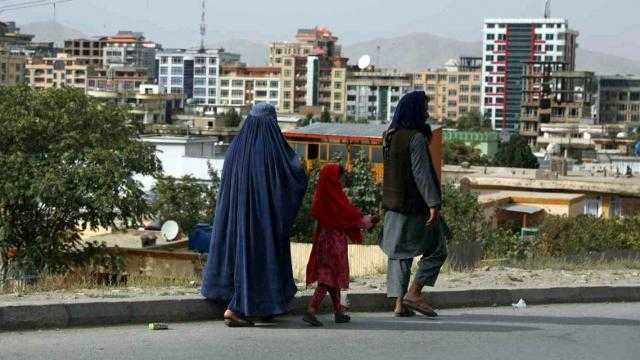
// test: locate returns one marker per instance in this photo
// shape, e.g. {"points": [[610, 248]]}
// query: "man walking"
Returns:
{"points": [[412, 199]]}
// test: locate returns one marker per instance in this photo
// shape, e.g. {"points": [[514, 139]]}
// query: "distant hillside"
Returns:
{"points": [[50, 31], [253, 53], [419, 51], [412, 52]]}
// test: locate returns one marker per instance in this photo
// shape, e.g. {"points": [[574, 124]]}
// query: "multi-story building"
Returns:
{"points": [[12, 67], [453, 90], [56, 72], [585, 142], [554, 95], [89, 51], [193, 74], [10, 35], [313, 71], [242, 86], [130, 49], [373, 94], [117, 78], [148, 104], [508, 45], [618, 99]]}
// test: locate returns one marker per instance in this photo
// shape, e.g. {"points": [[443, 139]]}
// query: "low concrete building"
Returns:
{"points": [[150, 104], [486, 142], [186, 155], [605, 194]]}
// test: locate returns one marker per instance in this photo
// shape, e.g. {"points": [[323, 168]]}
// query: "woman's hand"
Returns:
{"points": [[433, 216]]}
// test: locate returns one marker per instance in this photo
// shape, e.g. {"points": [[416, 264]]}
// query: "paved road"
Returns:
{"points": [[610, 332]]}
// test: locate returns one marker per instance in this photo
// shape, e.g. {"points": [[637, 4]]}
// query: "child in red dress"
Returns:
{"points": [[338, 221]]}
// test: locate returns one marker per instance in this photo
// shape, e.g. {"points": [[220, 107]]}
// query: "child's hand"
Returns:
{"points": [[367, 222]]}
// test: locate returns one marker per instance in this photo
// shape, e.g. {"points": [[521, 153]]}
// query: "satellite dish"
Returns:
{"points": [[170, 230], [364, 62], [622, 135]]}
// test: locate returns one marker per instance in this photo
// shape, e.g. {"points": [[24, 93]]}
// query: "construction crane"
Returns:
{"points": [[10, 5], [547, 9]]}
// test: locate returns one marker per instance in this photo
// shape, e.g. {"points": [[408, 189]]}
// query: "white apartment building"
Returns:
{"points": [[374, 94], [508, 45], [193, 74]]}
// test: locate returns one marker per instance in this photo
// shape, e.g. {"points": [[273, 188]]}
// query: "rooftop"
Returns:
{"points": [[528, 179]]}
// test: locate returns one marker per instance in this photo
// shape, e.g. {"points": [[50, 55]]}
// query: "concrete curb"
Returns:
{"points": [[98, 312]]}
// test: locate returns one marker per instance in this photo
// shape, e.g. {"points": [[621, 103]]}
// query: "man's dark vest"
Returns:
{"points": [[400, 192]]}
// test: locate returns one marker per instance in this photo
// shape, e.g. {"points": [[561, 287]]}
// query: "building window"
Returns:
{"points": [[164, 70], [212, 92], [224, 83], [490, 47], [176, 81], [338, 85], [273, 84], [237, 83], [176, 59], [550, 37], [199, 82], [201, 60], [164, 60], [236, 93], [273, 94], [213, 71], [491, 36]]}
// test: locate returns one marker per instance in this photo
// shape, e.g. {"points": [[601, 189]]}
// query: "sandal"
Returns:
{"points": [[238, 323], [424, 308], [405, 313], [342, 318], [312, 320]]}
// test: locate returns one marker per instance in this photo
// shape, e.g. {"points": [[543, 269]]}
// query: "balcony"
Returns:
{"points": [[566, 141]]}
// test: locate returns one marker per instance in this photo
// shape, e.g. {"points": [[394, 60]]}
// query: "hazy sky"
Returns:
{"points": [[605, 25]]}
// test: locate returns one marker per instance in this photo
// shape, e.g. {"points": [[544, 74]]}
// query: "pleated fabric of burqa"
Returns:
{"points": [[263, 183]]}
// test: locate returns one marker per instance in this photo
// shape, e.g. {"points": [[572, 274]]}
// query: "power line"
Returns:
{"points": [[30, 4]]}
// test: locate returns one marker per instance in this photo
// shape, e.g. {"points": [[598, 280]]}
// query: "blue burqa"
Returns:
{"points": [[263, 183]]}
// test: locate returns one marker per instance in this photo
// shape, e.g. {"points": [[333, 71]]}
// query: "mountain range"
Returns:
{"points": [[411, 52]]}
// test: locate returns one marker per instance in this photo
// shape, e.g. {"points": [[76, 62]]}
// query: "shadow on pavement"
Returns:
{"points": [[393, 324], [556, 320]]}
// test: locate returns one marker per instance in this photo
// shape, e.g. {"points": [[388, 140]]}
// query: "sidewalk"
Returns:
{"points": [[98, 312]]}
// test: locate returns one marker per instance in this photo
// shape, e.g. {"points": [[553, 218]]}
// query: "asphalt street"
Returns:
{"points": [[602, 331]]}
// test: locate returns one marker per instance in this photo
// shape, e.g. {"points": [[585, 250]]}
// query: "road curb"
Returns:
{"points": [[41, 315]]}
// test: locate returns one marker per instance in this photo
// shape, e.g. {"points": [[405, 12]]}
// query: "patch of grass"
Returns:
{"points": [[80, 282], [573, 264]]}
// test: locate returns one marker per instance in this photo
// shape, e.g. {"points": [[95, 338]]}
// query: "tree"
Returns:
{"points": [[516, 153], [183, 200], [232, 118], [457, 152], [303, 225], [362, 187], [305, 121], [212, 192], [67, 164], [326, 116], [472, 121]]}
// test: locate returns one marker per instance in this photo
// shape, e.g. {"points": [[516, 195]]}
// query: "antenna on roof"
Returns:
{"points": [[203, 26], [547, 9]]}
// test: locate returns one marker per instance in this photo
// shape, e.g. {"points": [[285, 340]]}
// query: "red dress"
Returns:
{"points": [[338, 222]]}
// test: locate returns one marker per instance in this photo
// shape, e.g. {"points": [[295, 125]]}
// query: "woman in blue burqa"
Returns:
{"points": [[249, 262]]}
